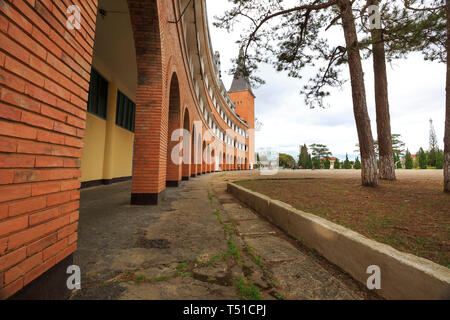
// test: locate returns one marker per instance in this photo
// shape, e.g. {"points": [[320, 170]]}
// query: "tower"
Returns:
{"points": [[242, 95]]}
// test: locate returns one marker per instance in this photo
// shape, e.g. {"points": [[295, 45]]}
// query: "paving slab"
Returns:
{"points": [[236, 212], [254, 227], [274, 249], [304, 279]]}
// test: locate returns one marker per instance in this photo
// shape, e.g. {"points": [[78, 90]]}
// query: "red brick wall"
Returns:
{"points": [[246, 110], [44, 82]]}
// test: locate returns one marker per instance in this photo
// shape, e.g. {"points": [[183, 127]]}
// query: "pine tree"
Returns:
{"points": [[309, 164], [347, 164], [337, 164], [440, 160], [303, 157], [327, 163], [433, 147], [316, 163], [357, 163], [290, 38], [422, 159], [398, 162], [319, 150], [408, 160]]}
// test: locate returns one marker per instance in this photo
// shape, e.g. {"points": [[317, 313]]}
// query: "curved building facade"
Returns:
{"points": [[95, 92]]}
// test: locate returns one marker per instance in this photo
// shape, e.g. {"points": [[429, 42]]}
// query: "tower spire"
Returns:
{"points": [[240, 82]]}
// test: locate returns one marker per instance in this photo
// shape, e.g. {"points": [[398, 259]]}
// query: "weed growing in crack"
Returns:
{"points": [[218, 215], [182, 274], [214, 259], [228, 229], [162, 278], [247, 290], [258, 261], [233, 251], [279, 296], [182, 266], [140, 278]]}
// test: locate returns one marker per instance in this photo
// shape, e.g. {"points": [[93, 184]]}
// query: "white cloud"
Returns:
{"points": [[416, 94]]}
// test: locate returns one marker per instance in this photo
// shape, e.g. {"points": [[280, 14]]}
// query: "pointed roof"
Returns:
{"points": [[240, 83]]}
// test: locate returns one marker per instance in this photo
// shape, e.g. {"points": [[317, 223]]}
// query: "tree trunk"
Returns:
{"points": [[368, 158], [387, 165], [447, 107]]}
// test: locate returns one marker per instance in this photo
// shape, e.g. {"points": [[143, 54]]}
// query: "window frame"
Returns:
{"points": [[98, 84], [125, 112]]}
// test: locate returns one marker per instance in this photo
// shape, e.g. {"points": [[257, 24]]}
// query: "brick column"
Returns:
{"points": [[150, 137], [44, 82]]}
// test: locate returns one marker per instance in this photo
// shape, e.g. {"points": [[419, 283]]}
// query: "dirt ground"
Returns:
{"points": [[411, 214]]}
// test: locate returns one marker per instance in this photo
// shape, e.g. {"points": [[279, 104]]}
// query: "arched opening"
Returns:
{"points": [[174, 147], [199, 151], [204, 161], [234, 163], [187, 150], [112, 100], [213, 160], [193, 164]]}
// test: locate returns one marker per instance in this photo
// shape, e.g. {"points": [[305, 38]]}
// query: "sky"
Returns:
{"points": [[416, 94]]}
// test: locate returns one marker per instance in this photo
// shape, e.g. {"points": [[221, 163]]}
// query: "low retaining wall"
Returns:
{"points": [[403, 275]]}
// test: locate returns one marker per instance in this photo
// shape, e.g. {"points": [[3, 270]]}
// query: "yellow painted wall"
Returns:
{"points": [[108, 148], [123, 152], [94, 147], [93, 160]]}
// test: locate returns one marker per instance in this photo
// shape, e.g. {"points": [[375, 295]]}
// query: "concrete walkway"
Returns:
{"points": [[200, 243]]}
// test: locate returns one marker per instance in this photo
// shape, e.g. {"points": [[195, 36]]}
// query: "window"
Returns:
{"points": [[125, 112], [98, 94]]}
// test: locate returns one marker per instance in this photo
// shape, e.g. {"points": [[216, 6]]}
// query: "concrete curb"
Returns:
{"points": [[403, 275]]}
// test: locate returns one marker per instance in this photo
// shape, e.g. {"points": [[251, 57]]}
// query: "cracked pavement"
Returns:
{"points": [[196, 244]]}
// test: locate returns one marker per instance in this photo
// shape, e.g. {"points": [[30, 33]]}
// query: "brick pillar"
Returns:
{"points": [[186, 159], [193, 166], [150, 137], [44, 83]]}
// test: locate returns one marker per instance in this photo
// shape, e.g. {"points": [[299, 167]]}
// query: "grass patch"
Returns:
{"points": [[258, 261], [218, 215], [279, 296], [233, 251], [247, 290], [182, 266], [179, 273], [161, 278], [214, 259], [410, 214], [141, 278], [228, 229]]}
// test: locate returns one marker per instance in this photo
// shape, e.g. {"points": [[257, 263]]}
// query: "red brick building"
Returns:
{"points": [[94, 92]]}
